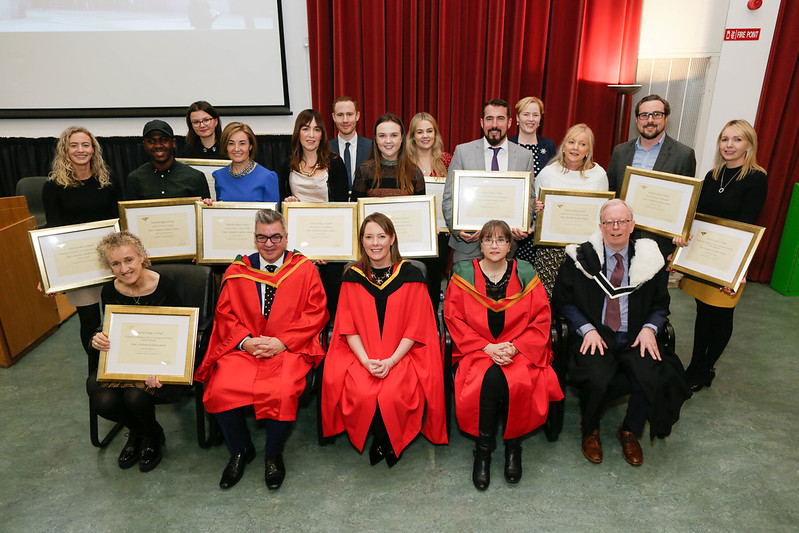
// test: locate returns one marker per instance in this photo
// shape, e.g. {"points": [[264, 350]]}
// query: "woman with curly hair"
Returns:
{"points": [[80, 190]]}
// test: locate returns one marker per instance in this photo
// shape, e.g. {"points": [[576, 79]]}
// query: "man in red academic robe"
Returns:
{"points": [[264, 344]]}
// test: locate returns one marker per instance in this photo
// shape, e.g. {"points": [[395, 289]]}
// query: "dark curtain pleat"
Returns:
{"points": [[777, 132], [22, 157]]}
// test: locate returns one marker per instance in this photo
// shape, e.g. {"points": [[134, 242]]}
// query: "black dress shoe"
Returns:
{"points": [[152, 450], [235, 467], [513, 463], [131, 453], [275, 472], [376, 452], [696, 386], [391, 458]]}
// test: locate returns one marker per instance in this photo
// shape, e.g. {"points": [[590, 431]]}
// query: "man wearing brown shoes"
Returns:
{"points": [[613, 293]]}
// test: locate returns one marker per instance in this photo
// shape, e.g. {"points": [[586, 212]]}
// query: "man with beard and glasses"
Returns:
{"points": [[653, 149], [492, 152], [162, 176]]}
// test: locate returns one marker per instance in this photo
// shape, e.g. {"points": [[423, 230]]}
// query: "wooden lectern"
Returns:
{"points": [[27, 317]]}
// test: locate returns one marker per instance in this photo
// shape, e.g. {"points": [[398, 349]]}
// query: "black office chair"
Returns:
{"points": [[31, 189], [196, 287], [326, 337], [560, 351]]}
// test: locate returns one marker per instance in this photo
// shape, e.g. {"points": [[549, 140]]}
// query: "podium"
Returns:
{"points": [[27, 317]]}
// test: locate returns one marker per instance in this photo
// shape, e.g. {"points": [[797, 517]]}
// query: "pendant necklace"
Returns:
{"points": [[313, 169], [135, 298], [721, 179]]}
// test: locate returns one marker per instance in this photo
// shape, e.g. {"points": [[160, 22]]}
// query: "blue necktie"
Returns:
{"points": [[494, 160], [348, 162]]}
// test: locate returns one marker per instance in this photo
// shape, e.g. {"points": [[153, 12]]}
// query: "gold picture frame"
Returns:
{"points": [[149, 340], [207, 167], [326, 231], [482, 195], [569, 216], [66, 256], [435, 185], [662, 203], [414, 219], [166, 227], [720, 251], [226, 229]]}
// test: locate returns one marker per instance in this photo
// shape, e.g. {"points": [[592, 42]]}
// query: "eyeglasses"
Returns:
{"points": [[502, 241], [657, 115], [277, 238], [204, 122], [612, 223]]}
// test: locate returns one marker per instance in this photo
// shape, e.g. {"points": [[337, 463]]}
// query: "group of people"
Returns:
{"points": [[383, 371]]}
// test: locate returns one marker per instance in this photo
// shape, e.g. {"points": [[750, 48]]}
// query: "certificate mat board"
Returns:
{"points": [[167, 228], [149, 340], [325, 231], [207, 167], [435, 185], [720, 251], [67, 255], [569, 216], [480, 196], [226, 229], [414, 219], [662, 203]]}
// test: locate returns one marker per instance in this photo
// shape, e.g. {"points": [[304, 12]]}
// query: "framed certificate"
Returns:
{"points": [[207, 167], [167, 228], [327, 231], [414, 218], [226, 229], [148, 341], [662, 203], [720, 251], [435, 185], [67, 255], [480, 196], [568, 216]]}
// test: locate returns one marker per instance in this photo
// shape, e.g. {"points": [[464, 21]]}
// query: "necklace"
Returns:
{"points": [[313, 169], [246, 170], [380, 275], [721, 179], [494, 277], [135, 298]]}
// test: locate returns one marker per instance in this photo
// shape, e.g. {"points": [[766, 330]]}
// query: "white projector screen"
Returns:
{"points": [[115, 58]]}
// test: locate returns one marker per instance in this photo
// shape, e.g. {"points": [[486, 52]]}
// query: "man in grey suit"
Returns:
{"points": [[492, 152], [352, 148], [651, 150]]}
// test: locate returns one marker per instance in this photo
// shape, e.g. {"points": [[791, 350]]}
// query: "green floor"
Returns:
{"points": [[730, 464]]}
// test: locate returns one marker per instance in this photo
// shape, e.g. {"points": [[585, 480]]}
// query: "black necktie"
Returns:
{"points": [[348, 162], [269, 293]]}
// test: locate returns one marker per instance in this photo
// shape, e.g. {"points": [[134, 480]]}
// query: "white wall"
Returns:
{"points": [[680, 28], [299, 81]]}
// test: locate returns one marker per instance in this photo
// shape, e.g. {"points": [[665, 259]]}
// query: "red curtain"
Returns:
{"points": [[777, 133], [448, 56]]}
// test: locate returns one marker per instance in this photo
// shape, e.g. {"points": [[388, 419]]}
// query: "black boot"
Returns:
{"points": [[481, 474], [513, 461]]}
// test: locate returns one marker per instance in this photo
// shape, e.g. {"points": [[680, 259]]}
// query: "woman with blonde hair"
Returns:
{"points": [[80, 190], [573, 168], [734, 189]]}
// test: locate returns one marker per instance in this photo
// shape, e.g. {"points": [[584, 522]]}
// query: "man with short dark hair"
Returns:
{"points": [[613, 292], [352, 148], [162, 176], [264, 343], [492, 152]]}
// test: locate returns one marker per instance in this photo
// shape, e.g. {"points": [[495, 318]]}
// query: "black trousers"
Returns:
{"points": [[494, 396], [712, 332], [237, 436]]}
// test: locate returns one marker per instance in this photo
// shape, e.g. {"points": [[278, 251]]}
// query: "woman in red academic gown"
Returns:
{"points": [[498, 316], [384, 368]]}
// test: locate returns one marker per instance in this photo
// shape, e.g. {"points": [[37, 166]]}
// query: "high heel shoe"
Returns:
{"points": [[699, 385]]}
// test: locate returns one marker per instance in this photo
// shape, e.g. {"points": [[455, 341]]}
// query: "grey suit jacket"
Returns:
{"points": [[364, 149], [674, 158], [470, 156]]}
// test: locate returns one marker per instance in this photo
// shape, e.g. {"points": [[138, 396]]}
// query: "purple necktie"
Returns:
{"points": [[494, 160], [612, 309]]}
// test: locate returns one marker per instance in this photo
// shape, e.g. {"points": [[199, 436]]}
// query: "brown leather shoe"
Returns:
{"points": [[592, 447], [630, 448]]}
